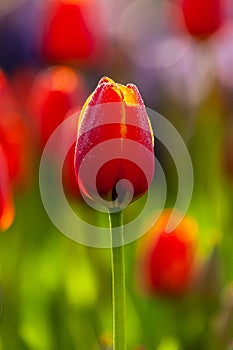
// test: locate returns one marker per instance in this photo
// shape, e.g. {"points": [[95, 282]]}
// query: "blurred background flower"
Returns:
{"points": [[54, 92], [6, 203], [167, 260]]}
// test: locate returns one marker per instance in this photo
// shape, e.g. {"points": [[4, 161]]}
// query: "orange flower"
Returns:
{"points": [[6, 204], [202, 17], [166, 260], [114, 113]]}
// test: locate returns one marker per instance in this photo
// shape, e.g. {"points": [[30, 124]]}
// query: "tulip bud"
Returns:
{"points": [[114, 142], [166, 260], [6, 205], [202, 18]]}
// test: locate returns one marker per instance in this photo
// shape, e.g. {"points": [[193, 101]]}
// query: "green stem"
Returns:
{"points": [[118, 281]]}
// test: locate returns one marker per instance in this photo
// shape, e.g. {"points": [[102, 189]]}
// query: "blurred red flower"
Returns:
{"points": [[202, 18], [74, 31], [14, 137], [166, 260], [114, 112], [6, 203], [54, 92]]}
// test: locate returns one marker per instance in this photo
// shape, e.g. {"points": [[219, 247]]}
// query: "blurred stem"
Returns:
{"points": [[118, 282]]}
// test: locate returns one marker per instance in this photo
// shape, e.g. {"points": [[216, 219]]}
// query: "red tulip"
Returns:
{"points": [[14, 137], [202, 17], [73, 31], [6, 204], [167, 259], [114, 124], [54, 92]]}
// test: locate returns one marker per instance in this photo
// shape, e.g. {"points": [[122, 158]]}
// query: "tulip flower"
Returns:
{"points": [[114, 142], [166, 260], [129, 123], [73, 31], [202, 18], [54, 92], [6, 204]]}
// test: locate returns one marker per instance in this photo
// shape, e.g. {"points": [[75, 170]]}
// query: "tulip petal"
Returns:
{"points": [[123, 107], [106, 93]]}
